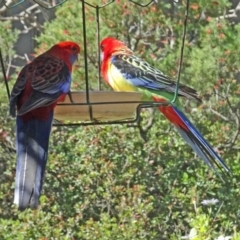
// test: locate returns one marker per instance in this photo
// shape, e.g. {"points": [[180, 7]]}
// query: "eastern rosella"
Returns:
{"points": [[125, 72], [39, 86]]}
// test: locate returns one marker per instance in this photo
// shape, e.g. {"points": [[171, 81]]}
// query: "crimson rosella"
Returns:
{"points": [[39, 86], [125, 72]]}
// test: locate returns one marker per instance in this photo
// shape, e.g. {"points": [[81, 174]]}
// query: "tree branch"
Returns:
{"points": [[233, 13]]}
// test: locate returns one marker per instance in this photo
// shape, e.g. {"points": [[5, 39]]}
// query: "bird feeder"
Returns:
{"points": [[105, 106], [95, 107]]}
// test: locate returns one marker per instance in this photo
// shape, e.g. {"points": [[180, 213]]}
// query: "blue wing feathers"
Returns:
{"points": [[143, 75], [141, 82]]}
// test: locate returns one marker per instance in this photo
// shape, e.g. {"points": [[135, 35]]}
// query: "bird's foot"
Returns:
{"points": [[70, 96]]}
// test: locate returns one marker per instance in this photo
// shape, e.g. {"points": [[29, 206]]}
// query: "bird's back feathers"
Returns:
{"points": [[137, 72], [40, 83]]}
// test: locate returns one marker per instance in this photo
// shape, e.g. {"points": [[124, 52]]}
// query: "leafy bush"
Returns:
{"points": [[105, 182]]}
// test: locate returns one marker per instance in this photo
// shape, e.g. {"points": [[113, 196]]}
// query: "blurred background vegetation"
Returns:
{"points": [[106, 182]]}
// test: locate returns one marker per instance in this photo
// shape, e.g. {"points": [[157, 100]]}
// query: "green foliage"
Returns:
{"points": [[105, 182], [8, 37]]}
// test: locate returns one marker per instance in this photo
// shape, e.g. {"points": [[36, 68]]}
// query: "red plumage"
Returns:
{"points": [[48, 64], [125, 72], [170, 114], [39, 86]]}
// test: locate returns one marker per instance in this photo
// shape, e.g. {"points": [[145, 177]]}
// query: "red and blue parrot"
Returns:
{"points": [[125, 72], [39, 86]]}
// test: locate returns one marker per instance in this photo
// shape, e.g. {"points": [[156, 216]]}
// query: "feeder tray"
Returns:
{"points": [[102, 106]]}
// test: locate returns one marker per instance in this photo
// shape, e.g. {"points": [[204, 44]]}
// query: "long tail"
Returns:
{"points": [[32, 150], [191, 135]]}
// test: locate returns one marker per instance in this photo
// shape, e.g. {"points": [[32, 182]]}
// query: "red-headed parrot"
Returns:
{"points": [[39, 86], [125, 72]]}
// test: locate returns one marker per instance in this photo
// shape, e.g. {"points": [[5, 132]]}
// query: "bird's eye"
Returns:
{"points": [[102, 47], [74, 49]]}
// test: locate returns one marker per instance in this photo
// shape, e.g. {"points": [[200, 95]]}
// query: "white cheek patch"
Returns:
{"points": [[102, 56]]}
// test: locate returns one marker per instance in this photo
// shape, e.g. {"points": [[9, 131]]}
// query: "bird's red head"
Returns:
{"points": [[111, 46], [68, 46], [68, 51]]}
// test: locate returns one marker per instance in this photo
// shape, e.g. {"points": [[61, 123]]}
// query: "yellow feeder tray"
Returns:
{"points": [[106, 111]]}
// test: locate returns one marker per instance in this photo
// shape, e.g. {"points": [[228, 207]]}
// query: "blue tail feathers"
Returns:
{"points": [[32, 150], [199, 144]]}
